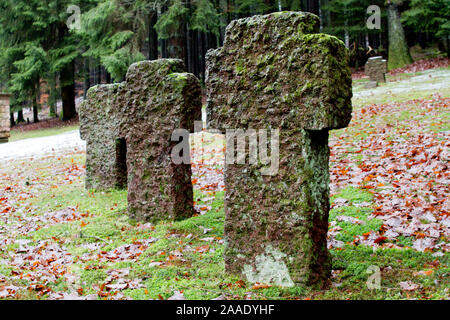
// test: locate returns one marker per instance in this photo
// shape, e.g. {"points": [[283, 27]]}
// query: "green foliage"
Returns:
{"points": [[29, 69], [35, 43], [429, 16], [112, 33], [251, 6], [169, 22], [116, 33], [118, 62], [205, 17], [349, 16]]}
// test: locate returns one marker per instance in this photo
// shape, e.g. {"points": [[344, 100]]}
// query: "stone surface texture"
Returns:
{"points": [[4, 118], [99, 126], [376, 68], [139, 115], [278, 72]]}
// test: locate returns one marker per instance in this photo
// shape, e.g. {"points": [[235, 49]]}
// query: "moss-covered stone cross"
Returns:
{"points": [[278, 72], [128, 128]]}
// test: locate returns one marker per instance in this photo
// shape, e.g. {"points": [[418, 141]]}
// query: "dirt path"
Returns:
{"points": [[35, 147], [430, 80]]}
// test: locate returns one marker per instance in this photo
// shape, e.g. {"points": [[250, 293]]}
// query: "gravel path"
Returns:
{"points": [[35, 147]]}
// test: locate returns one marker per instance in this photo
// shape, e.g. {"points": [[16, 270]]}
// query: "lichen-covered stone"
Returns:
{"points": [[277, 72], [159, 98], [99, 126], [4, 118], [139, 115], [376, 68]]}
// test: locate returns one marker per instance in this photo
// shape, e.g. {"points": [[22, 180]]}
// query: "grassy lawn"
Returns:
{"points": [[185, 258], [110, 256], [419, 85], [21, 135]]}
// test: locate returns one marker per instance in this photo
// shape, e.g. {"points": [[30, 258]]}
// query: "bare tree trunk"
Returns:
{"points": [[36, 102], [68, 91], [52, 95], [399, 55], [87, 77], [20, 117], [11, 119], [152, 37]]}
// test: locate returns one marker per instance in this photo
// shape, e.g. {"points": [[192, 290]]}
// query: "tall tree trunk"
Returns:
{"points": [[36, 104], [67, 76], [313, 6], [11, 119], [20, 117], [195, 53], [87, 77], [448, 46], [108, 77], [67, 81], [152, 37], [176, 44], [163, 48], [52, 95], [35, 112], [399, 55]]}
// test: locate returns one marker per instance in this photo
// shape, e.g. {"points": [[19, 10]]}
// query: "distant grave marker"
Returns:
{"points": [[376, 69]]}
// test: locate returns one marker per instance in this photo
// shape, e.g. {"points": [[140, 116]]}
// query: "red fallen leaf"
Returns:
{"points": [[80, 291], [160, 297], [240, 284], [258, 286], [379, 239], [6, 210], [419, 235]]}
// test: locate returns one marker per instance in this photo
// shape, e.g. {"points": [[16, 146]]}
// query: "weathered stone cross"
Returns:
{"points": [[376, 68], [128, 129], [278, 72]]}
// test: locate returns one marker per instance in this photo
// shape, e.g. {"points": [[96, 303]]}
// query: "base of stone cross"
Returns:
{"points": [[371, 85], [4, 140]]}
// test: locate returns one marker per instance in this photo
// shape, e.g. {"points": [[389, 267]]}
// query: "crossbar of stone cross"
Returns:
{"points": [[128, 128], [278, 72]]}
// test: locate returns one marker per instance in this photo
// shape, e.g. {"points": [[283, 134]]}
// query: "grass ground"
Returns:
{"points": [[18, 135], [403, 87], [59, 239]]}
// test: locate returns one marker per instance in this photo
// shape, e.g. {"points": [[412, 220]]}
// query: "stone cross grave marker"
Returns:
{"points": [[279, 74], [376, 68], [5, 125], [128, 128]]}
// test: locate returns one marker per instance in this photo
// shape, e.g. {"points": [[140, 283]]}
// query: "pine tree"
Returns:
{"points": [[432, 16], [31, 26], [113, 32]]}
